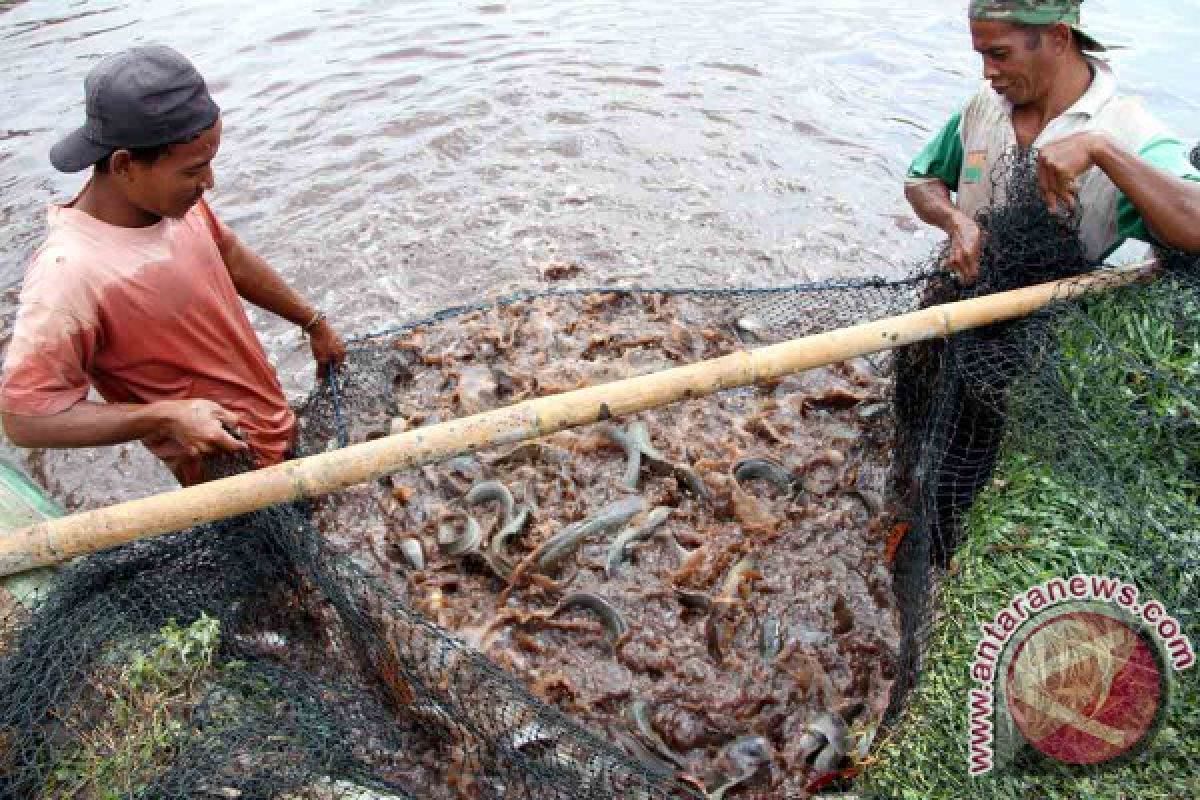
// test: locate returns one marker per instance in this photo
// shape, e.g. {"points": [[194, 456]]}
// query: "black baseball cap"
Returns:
{"points": [[142, 97]]}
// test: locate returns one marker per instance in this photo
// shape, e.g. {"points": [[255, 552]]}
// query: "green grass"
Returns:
{"points": [[1098, 475], [145, 691], [169, 701]]}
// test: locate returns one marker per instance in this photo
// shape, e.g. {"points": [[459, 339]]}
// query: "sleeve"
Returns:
{"points": [[942, 157], [1168, 154], [221, 234], [46, 367]]}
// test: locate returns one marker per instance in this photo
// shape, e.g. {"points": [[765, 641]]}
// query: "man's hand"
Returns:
{"points": [[199, 427], [327, 348], [1168, 205], [1060, 163], [931, 200], [966, 246], [186, 427]]}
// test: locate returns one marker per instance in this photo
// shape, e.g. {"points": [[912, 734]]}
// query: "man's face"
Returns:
{"points": [[1017, 63], [176, 181]]}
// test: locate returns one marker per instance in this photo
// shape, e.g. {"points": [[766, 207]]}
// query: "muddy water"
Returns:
{"points": [[393, 158]]}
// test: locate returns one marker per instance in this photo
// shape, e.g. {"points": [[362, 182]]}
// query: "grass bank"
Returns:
{"points": [[1099, 474]]}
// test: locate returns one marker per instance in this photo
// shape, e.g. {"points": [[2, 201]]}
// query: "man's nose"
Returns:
{"points": [[208, 180], [989, 70]]}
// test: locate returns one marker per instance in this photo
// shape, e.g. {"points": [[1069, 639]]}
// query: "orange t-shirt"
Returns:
{"points": [[142, 314]]}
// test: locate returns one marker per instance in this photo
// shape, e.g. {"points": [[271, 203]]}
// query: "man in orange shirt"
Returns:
{"points": [[137, 289]]}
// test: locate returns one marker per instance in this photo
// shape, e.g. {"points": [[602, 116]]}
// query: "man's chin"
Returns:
{"points": [[1017, 98]]}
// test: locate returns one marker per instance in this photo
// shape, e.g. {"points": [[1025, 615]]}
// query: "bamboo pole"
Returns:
{"points": [[60, 539]]}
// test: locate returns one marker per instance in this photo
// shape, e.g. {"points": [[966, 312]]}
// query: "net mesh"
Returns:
{"points": [[770, 592]]}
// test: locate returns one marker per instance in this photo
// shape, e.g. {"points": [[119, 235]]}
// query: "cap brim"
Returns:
{"points": [[1087, 41], [76, 152]]}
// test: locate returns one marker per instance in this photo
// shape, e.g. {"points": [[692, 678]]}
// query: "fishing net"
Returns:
{"points": [[1062, 444], [743, 595]]}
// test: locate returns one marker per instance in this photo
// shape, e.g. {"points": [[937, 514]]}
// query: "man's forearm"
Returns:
{"points": [[87, 424], [933, 203], [1169, 205], [257, 282]]}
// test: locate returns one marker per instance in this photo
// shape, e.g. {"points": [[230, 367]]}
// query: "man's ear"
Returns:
{"points": [[120, 162], [1061, 38]]}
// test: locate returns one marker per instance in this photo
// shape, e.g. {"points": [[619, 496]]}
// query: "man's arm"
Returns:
{"points": [[261, 285], [1169, 205], [199, 426], [932, 176], [45, 382], [932, 202]]}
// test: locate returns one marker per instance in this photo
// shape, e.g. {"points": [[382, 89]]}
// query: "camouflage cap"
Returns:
{"points": [[1036, 12]]}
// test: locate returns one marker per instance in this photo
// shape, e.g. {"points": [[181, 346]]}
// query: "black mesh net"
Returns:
{"points": [[733, 596]]}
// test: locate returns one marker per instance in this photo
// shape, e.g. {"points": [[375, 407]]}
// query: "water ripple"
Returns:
{"points": [[394, 156]]}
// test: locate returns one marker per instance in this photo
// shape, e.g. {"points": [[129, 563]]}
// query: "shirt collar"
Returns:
{"points": [[68, 214], [1102, 89]]}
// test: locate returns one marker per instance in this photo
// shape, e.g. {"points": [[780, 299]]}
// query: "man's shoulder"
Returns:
{"points": [[61, 261], [1123, 114], [64, 272], [984, 108], [1128, 119]]}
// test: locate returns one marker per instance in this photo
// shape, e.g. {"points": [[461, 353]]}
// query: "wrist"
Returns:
{"points": [[1101, 147], [312, 322], [956, 222], [949, 218], [156, 419]]}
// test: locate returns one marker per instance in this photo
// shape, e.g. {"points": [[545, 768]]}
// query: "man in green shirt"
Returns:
{"points": [[1098, 151]]}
